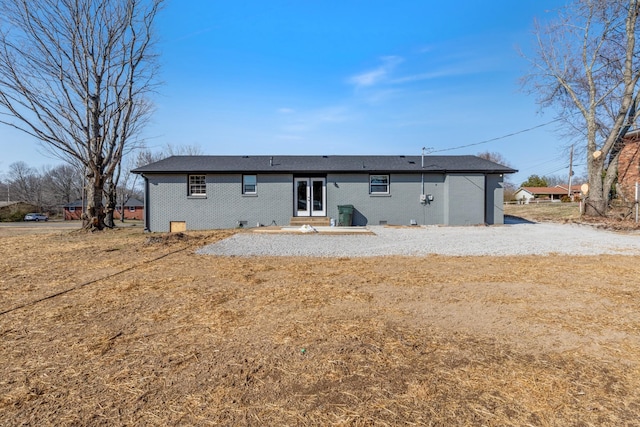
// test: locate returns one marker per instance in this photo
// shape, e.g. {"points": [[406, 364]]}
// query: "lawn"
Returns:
{"points": [[128, 328], [545, 211]]}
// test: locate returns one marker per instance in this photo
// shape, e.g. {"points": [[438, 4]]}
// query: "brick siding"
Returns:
{"points": [[629, 168]]}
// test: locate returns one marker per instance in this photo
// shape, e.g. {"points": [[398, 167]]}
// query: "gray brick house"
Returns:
{"points": [[209, 192]]}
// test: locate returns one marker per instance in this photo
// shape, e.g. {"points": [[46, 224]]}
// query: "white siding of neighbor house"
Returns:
{"points": [[520, 194]]}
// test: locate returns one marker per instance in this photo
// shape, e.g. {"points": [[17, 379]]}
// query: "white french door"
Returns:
{"points": [[310, 196]]}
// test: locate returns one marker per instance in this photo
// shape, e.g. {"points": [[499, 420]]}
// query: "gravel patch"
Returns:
{"points": [[510, 239]]}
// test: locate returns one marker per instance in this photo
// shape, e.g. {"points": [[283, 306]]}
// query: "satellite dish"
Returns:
{"points": [[584, 188]]}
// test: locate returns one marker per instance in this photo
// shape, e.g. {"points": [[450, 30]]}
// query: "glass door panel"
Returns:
{"points": [[302, 197], [310, 196], [318, 197]]}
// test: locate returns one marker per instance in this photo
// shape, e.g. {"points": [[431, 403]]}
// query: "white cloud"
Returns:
{"points": [[432, 75], [376, 75], [453, 65], [285, 110]]}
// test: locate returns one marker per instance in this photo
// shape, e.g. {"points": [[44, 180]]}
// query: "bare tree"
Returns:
{"points": [[127, 184], [586, 65], [63, 185], [46, 189], [26, 184], [509, 187], [5, 191], [553, 180], [146, 155], [494, 157], [181, 150], [123, 182], [76, 74]]}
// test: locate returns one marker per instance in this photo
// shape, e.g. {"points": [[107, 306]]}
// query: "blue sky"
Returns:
{"points": [[345, 77]]}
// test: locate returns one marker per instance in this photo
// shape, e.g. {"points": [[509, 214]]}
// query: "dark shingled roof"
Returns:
{"points": [[322, 164]]}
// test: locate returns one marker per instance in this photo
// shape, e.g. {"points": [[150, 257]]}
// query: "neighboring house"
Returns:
{"points": [[629, 166], [554, 194], [576, 191], [133, 209], [210, 192], [73, 210]]}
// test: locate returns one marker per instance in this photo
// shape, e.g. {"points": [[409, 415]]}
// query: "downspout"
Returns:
{"points": [[423, 148], [146, 204], [422, 195], [486, 195]]}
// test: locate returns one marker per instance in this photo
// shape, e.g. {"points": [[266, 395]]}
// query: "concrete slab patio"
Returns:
{"points": [[314, 229]]}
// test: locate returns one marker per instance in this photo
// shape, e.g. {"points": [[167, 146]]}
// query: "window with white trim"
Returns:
{"points": [[132, 208], [249, 184], [379, 184], [72, 208], [197, 185]]}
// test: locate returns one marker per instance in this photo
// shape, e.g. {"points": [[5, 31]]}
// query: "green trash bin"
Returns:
{"points": [[345, 215]]}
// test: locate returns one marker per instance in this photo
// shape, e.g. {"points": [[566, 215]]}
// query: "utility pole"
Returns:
{"points": [[570, 172]]}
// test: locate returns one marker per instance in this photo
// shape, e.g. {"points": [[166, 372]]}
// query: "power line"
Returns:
{"points": [[544, 162], [497, 138], [556, 164], [555, 170]]}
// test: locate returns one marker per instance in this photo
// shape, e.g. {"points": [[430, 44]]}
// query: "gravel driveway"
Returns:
{"points": [[508, 239]]}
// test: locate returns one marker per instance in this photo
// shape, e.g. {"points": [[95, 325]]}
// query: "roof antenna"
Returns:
{"points": [[271, 161], [428, 150]]}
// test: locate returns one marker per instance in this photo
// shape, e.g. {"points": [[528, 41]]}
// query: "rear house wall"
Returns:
{"points": [[465, 199], [458, 199], [495, 199], [224, 205], [399, 207]]}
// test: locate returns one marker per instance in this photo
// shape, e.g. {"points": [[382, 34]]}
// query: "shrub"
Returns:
{"points": [[14, 216]]}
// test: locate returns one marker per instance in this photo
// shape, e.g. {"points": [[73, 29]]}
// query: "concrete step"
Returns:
{"points": [[315, 221]]}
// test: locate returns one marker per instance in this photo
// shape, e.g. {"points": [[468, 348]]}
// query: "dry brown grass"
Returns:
{"points": [[144, 332], [545, 211], [620, 216]]}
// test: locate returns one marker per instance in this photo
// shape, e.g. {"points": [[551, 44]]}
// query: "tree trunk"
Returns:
{"points": [[122, 202], [596, 205], [111, 205], [597, 198], [587, 63], [93, 217], [75, 75]]}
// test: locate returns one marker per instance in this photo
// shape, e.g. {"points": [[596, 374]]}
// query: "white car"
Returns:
{"points": [[36, 217]]}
